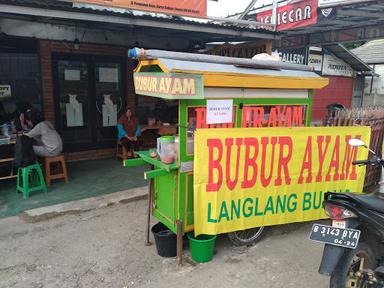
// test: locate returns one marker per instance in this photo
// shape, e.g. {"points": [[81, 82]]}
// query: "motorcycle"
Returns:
{"points": [[353, 254]]}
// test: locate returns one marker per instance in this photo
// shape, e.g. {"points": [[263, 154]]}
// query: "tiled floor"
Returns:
{"points": [[86, 179]]}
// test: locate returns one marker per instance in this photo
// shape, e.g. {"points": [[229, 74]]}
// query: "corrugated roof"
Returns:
{"points": [[173, 65], [112, 11], [371, 52]]}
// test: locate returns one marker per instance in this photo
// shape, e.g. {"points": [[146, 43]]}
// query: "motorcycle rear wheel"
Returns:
{"points": [[348, 273], [246, 237]]}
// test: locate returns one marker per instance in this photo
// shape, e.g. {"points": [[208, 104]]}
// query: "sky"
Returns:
{"points": [[223, 8]]}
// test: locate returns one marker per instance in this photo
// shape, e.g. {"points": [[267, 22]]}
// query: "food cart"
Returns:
{"points": [[259, 93]]}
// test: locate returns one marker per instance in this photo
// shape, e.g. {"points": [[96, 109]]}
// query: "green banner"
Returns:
{"points": [[169, 85]]}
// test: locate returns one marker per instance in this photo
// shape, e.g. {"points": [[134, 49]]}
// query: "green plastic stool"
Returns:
{"points": [[23, 183]]}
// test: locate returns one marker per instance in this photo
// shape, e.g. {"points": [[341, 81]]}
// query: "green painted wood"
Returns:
{"points": [[156, 162], [164, 198], [134, 162], [154, 173]]}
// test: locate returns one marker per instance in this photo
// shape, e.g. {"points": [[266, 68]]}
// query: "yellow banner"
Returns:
{"points": [[251, 177]]}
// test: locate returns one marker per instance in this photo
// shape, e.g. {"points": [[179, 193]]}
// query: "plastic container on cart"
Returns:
{"points": [[202, 247], [165, 240], [166, 149]]}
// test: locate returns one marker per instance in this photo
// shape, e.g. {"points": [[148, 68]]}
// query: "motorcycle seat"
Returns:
{"points": [[370, 201]]}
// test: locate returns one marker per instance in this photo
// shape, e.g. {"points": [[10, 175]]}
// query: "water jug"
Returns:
{"points": [[166, 149]]}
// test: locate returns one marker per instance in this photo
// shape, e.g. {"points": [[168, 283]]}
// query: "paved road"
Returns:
{"points": [[104, 248]]}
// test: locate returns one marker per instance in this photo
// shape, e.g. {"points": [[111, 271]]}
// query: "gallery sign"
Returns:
{"points": [[293, 55], [290, 15], [197, 8]]}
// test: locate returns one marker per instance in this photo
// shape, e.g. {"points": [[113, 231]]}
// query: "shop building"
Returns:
{"points": [[372, 53], [70, 60]]}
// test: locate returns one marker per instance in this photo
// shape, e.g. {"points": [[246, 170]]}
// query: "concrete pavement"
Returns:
{"points": [[105, 248]]}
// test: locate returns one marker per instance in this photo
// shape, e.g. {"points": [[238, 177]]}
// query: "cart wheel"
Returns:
{"points": [[246, 237]]}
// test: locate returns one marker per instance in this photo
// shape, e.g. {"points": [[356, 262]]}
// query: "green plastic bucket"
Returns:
{"points": [[202, 247]]}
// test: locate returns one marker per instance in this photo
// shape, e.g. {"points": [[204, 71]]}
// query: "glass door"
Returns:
{"points": [[89, 96], [109, 99], [73, 102]]}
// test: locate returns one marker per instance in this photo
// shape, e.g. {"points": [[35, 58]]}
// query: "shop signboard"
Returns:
{"points": [[169, 85], [5, 91], [250, 177], [290, 15], [333, 3], [315, 59], [197, 8], [293, 55], [336, 67]]}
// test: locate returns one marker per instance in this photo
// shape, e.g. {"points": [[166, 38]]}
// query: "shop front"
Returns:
{"points": [[69, 60]]}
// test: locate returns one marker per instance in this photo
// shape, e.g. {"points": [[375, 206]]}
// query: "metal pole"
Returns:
{"points": [[249, 7], [274, 15], [237, 21], [179, 247], [147, 242]]}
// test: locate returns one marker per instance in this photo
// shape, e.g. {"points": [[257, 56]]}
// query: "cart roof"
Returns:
{"points": [[225, 75]]}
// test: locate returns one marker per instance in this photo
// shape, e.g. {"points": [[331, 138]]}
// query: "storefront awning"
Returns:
{"points": [[355, 62], [49, 11]]}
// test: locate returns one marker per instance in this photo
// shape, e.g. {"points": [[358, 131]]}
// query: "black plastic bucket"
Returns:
{"points": [[165, 240]]}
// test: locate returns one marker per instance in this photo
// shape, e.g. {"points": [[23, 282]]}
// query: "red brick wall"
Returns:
{"points": [[46, 50], [339, 90]]}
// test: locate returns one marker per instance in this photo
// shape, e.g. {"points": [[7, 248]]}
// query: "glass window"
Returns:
{"points": [[20, 77]]}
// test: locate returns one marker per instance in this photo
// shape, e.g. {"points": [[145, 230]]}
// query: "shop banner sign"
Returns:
{"points": [[290, 15], [333, 3], [336, 67], [315, 60], [293, 55], [251, 177], [197, 8], [169, 85]]}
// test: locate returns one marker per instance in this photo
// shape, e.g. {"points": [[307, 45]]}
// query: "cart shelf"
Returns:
{"points": [[146, 159]]}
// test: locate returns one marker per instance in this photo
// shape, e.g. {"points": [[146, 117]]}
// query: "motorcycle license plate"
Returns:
{"points": [[344, 237]]}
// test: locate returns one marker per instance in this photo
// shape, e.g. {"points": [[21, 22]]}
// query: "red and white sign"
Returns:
{"points": [[290, 15], [190, 8]]}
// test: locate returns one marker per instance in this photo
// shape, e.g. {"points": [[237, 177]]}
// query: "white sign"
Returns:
{"points": [[336, 67], [315, 61], [109, 75], [71, 75], [332, 3], [5, 91], [219, 111]]}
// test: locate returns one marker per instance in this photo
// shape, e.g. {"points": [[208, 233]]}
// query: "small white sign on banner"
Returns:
{"points": [[219, 111]]}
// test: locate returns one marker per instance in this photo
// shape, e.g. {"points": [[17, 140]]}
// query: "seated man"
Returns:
{"points": [[48, 141], [128, 130]]}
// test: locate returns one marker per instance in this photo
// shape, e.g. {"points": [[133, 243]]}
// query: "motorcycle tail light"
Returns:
{"points": [[336, 212]]}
